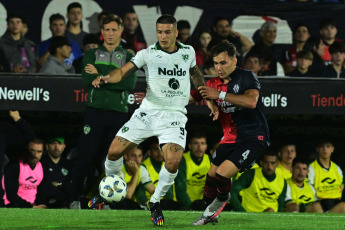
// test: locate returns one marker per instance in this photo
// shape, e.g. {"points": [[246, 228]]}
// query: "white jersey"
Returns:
{"points": [[167, 76]]}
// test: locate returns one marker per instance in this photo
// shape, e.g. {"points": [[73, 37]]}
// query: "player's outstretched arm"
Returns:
{"points": [[197, 77]]}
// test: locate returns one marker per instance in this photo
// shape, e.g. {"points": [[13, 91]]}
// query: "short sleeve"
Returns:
{"points": [[288, 194], [139, 59], [193, 58], [252, 81], [144, 177], [311, 175]]}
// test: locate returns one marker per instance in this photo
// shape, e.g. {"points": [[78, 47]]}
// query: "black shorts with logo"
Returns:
{"points": [[243, 154]]}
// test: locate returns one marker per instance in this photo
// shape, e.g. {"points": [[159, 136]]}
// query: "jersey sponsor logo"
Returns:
{"points": [[328, 180], [174, 83], [198, 176], [87, 129], [141, 118], [172, 72], [175, 123], [159, 56], [124, 129], [31, 179], [185, 57], [267, 191], [119, 56], [305, 198], [260, 138]]}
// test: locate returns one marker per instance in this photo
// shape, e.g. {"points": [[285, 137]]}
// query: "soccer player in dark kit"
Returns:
{"points": [[246, 136]]}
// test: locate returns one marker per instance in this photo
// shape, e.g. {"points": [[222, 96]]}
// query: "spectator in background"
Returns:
{"points": [[192, 171], [57, 174], [202, 41], [19, 53], [75, 30], [266, 49], [222, 30], [300, 194], [22, 178], [133, 40], [59, 49], [252, 63], [301, 35], [263, 188], [336, 68], [58, 28], [25, 28], [90, 41], [100, 18], [304, 62], [327, 179], [183, 27], [328, 32], [208, 68], [286, 154]]}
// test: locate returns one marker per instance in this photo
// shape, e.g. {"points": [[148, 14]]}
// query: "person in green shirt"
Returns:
{"points": [[191, 177], [263, 189]]}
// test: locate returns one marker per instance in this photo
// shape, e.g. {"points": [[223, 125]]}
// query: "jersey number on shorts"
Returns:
{"points": [[245, 154], [182, 131]]}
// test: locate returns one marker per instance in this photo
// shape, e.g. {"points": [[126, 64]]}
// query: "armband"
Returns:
{"points": [[222, 95]]}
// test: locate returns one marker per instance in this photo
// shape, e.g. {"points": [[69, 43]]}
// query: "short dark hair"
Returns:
{"points": [[198, 135], [327, 22], [224, 46], [221, 18], [112, 18], [306, 54], [55, 17], [183, 24], [251, 55], [166, 19], [90, 39], [337, 47], [324, 141], [73, 5], [300, 160], [14, 15], [270, 152], [57, 42], [301, 24], [104, 12]]}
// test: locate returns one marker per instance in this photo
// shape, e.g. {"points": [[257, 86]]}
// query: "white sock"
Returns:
{"points": [[166, 179], [113, 167]]}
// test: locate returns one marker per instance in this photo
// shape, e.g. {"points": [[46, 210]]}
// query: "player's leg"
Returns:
{"points": [[210, 189], [314, 207], [338, 208]]}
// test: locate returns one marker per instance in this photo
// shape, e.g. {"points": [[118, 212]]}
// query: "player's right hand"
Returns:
{"points": [[214, 109]]}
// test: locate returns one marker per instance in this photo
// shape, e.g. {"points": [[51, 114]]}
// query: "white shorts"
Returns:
{"points": [[168, 126]]}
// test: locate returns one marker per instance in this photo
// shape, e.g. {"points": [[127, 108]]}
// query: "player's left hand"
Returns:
{"points": [[91, 69], [208, 92], [213, 108]]}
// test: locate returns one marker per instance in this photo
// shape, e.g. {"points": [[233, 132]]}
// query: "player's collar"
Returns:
{"points": [[158, 47]]}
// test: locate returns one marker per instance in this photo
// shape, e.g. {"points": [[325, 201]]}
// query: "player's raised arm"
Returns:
{"points": [[115, 75]]}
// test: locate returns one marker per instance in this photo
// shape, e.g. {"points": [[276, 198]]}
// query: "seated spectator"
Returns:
{"points": [[286, 154], [202, 41], [301, 35], [327, 179], [57, 174], [300, 195], [252, 63], [134, 175], [22, 178], [25, 28], [58, 28], [304, 62], [266, 50], [133, 39], [183, 27], [222, 30], [208, 68], [59, 49], [192, 171], [90, 41], [263, 188], [336, 68], [100, 18], [20, 54], [153, 164], [75, 30]]}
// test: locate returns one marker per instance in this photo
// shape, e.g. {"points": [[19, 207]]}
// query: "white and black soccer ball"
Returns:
{"points": [[113, 188]]}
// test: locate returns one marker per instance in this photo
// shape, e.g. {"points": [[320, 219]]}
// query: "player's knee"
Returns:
{"points": [[172, 165]]}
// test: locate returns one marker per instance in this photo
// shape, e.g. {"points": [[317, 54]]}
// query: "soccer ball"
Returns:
{"points": [[113, 188]]}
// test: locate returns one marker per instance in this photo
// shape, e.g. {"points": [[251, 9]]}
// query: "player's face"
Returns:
{"points": [[55, 149], [135, 155], [198, 147], [288, 154], [252, 64], [15, 25], [36, 151], [112, 33], [58, 28], [75, 15], [224, 65], [166, 36], [304, 63], [302, 34], [156, 153], [299, 172], [325, 151], [329, 32], [269, 164]]}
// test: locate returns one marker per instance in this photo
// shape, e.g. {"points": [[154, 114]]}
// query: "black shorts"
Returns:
{"points": [[328, 204], [242, 154]]}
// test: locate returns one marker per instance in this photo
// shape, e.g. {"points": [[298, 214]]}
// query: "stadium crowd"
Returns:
{"points": [[41, 175]]}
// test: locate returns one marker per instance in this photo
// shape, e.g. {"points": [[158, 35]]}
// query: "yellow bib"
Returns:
{"points": [[286, 173], [154, 175], [303, 195]]}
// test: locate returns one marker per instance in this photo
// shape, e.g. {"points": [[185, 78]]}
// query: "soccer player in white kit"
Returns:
{"points": [[168, 66]]}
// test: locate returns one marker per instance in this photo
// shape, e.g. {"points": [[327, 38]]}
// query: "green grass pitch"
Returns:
{"points": [[140, 219]]}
